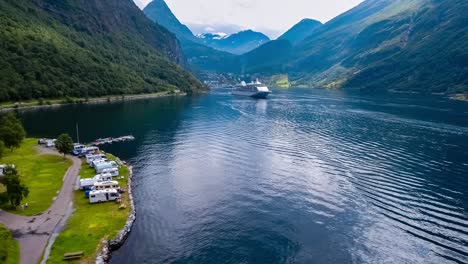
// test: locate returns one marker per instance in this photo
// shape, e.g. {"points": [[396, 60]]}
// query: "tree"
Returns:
{"points": [[15, 191], [11, 131], [2, 148], [64, 144]]}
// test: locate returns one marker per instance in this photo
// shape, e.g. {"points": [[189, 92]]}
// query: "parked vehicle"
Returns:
{"points": [[41, 141], [77, 148], [87, 150], [50, 143], [92, 157], [100, 196], [114, 172], [88, 183], [100, 167], [98, 161], [106, 185]]}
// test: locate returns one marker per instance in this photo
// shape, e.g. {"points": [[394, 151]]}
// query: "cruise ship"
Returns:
{"points": [[254, 89]]}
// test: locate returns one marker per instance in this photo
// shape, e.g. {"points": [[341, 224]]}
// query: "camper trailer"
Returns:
{"points": [[92, 157], [100, 196], [106, 185], [114, 172], [98, 161], [87, 150], [88, 183], [100, 167]]}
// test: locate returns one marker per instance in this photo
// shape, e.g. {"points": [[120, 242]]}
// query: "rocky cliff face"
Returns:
{"points": [[159, 12]]}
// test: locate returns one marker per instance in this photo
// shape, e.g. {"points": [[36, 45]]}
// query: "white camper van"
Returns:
{"points": [[88, 183], [100, 196], [91, 157], [114, 172], [100, 167], [106, 185]]}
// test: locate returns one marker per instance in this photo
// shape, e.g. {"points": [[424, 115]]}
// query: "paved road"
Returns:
{"points": [[33, 232]]}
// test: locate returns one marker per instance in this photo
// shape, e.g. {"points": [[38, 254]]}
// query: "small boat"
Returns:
{"points": [[254, 89]]}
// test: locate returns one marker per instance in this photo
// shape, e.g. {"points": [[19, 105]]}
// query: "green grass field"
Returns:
{"points": [[9, 248], [43, 174], [91, 223]]}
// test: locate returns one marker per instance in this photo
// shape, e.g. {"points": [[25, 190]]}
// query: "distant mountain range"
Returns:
{"points": [[86, 48], [399, 45], [98, 47], [238, 43]]}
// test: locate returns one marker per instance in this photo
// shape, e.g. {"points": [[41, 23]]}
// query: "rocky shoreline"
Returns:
{"points": [[99, 100], [112, 245]]}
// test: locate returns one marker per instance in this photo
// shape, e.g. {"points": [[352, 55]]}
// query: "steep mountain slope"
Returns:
{"points": [[406, 45], [85, 48], [205, 59], [270, 58], [159, 12], [301, 31], [238, 43]]}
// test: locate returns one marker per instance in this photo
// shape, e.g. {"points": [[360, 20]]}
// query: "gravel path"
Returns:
{"points": [[33, 232]]}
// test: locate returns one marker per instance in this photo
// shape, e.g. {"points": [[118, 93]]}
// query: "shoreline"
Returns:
{"points": [[110, 246], [97, 100]]}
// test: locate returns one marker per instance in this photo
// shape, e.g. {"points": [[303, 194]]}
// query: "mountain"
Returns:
{"points": [[400, 45], [159, 12], [268, 59], [85, 48], [238, 43], [301, 31]]}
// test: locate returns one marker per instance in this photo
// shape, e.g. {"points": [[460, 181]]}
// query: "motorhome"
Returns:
{"points": [[106, 185], [92, 157], [87, 150], [98, 161], [105, 165], [114, 172], [100, 196], [88, 183]]}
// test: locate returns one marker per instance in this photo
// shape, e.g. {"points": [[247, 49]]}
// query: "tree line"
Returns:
{"points": [[11, 135]]}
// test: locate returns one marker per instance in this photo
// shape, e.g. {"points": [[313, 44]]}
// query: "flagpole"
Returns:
{"points": [[77, 134]]}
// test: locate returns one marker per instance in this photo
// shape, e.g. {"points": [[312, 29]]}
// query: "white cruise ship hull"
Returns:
{"points": [[260, 95]]}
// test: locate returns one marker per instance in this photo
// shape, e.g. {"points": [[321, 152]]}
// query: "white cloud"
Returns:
{"points": [[265, 15]]}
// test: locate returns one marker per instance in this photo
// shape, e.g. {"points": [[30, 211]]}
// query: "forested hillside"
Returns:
{"points": [[405, 45], [85, 48]]}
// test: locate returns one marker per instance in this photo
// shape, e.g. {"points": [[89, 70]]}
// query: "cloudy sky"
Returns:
{"points": [[269, 16]]}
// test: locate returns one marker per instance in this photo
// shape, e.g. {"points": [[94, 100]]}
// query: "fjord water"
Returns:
{"points": [[308, 176]]}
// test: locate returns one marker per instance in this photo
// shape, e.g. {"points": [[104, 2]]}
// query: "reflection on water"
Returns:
{"points": [[304, 177]]}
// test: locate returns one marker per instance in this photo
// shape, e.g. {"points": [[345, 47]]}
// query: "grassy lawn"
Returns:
{"points": [[91, 223], [9, 248], [43, 174]]}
